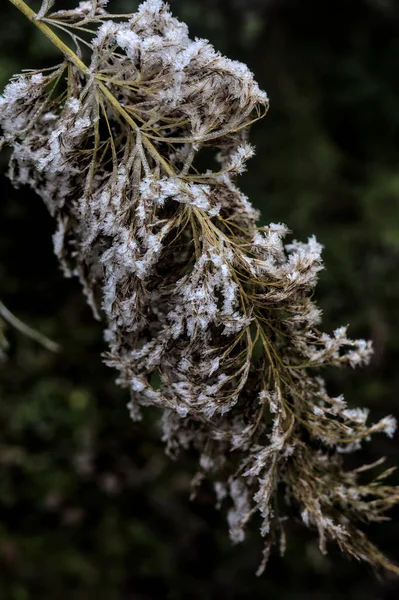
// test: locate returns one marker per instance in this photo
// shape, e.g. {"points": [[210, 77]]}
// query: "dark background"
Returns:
{"points": [[90, 508]]}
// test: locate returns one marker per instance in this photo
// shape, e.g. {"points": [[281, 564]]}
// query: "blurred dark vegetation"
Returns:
{"points": [[90, 508]]}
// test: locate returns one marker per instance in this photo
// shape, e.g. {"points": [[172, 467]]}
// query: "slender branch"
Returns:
{"points": [[67, 52], [150, 147], [26, 330]]}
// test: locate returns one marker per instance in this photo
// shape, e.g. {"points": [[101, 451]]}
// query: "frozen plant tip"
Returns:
{"points": [[208, 316]]}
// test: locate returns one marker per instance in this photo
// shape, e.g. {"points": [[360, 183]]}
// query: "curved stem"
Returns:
{"points": [[67, 52], [26, 330]]}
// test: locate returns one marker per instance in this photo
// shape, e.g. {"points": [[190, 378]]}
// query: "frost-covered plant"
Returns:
{"points": [[208, 316]]}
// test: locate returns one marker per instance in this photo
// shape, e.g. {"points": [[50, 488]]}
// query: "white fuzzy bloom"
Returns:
{"points": [[129, 41], [388, 425], [358, 415]]}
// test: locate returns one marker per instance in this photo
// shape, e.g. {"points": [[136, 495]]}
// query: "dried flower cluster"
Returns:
{"points": [[209, 317]]}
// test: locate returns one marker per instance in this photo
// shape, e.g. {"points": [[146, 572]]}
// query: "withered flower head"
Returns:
{"points": [[208, 316]]}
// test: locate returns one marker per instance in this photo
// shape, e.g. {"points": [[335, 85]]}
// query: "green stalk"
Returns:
{"points": [[66, 51]]}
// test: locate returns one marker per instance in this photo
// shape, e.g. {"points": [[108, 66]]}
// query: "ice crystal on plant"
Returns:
{"points": [[208, 316]]}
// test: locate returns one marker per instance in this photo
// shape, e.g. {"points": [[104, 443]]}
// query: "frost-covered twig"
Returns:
{"points": [[208, 316]]}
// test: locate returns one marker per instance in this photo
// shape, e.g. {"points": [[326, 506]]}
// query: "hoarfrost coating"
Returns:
{"points": [[208, 316]]}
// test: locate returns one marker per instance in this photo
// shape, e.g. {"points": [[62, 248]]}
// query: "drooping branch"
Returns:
{"points": [[208, 316]]}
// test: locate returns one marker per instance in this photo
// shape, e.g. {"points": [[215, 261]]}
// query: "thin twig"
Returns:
{"points": [[28, 331]]}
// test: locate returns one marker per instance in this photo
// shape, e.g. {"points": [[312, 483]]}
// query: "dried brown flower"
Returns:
{"points": [[208, 316]]}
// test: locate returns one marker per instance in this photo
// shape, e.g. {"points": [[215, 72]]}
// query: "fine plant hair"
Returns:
{"points": [[207, 315]]}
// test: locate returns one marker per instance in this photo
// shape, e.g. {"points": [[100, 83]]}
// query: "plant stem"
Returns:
{"points": [[26, 330], [66, 51], [150, 147]]}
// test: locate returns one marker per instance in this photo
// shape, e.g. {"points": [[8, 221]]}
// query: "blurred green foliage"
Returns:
{"points": [[90, 508]]}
